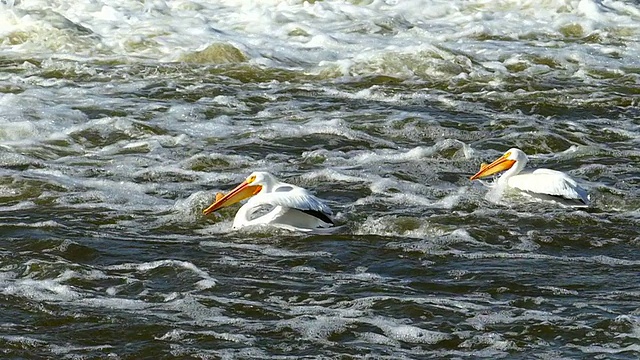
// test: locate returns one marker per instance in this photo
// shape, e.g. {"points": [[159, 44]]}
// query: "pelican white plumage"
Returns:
{"points": [[287, 206], [540, 183]]}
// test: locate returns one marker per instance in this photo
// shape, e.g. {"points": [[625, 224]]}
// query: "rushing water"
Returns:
{"points": [[120, 120]]}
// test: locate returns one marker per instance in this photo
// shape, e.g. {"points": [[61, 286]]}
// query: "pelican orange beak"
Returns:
{"points": [[500, 164], [239, 193]]}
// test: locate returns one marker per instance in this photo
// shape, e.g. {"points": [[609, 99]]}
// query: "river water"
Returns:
{"points": [[120, 120]]}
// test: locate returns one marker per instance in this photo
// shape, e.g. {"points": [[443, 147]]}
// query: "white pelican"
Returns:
{"points": [[540, 183], [287, 206]]}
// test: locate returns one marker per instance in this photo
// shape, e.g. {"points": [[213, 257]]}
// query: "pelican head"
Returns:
{"points": [[251, 186], [507, 161]]}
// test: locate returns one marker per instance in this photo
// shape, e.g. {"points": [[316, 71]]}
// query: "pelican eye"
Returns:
{"points": [[507, 154], [251, 179]]}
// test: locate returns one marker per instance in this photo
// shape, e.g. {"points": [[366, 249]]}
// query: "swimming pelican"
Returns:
{"points": [[287, 206], [541, 183]]}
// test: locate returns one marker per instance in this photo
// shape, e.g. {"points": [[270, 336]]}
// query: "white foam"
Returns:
{"points": [[319, 327], [598, 349], [377, 37], [23, 340], [393, 226], [85, 274], [336, 127], [21, 116], [41, 290], [190, 209], [37, 224], [265, 249], [493, 345], [597, 259], [144, 267], [181, 335], [633, 322], [394, 155], [451, 200], [559, 291], [375, 338], [435, 238], [114, 303], [63, 350], [408, 333]]}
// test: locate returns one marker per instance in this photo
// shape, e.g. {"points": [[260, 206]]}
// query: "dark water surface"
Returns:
{"points": [[105, 252], [119, 123]]}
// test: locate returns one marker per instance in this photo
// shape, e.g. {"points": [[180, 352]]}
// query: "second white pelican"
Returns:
{"points": [[274, 203], [541, 183]]}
